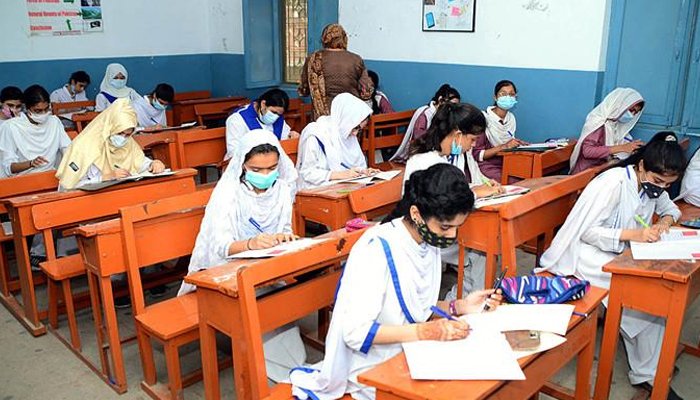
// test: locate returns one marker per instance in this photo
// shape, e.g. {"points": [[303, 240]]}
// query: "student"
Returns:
{"points": [[380, 103], [114, 87], [449, 141], [420, 122], [267, 112], [105, 150], [602, 223], [328, 149], [500, 130], [605, 133], [150, 109], [250, 209], [73, 91], [399, 259], [690, 187], [10, 103], [35, 140]]}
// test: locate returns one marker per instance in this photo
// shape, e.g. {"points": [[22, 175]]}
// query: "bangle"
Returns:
{"points": [[453, 307], [247, 244]]}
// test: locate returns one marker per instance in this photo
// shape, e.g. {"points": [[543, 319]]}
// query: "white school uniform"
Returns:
{"points": [[62, 95], [94, 174], [590, 238], [429, 110], [368, 298], [236, 127], [690, 187], [146, 114], [106, 89]]}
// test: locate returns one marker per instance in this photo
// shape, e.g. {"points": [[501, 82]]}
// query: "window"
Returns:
{"points": [[295, 23]]}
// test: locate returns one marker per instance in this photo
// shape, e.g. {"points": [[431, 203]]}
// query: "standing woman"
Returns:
{"points": [[35, 140], [605, 134], [114, 87], [333, 70], [390, 282], [328, 149], [500, 130], [605, 218], [105, 150]]}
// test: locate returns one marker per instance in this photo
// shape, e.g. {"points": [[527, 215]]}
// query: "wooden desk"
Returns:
{"points": [[329, 205], [385, 131], [529, 164], [218, 289], [393, 380], [42, 213], [194, 148], [183, 111], [82, 119], [663, 288]]}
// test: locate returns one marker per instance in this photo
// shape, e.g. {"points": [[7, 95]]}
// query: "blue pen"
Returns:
{"points": [[510, 134], [154, 121], [342, 164], [437, 311], [255, 224]]}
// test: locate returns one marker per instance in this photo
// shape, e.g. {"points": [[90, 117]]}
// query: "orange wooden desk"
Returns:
{"points": [[663, 288], [39, 214], [83, 119], [328, 205], [183, 111], [393, 380], [530, 164], [217, 289]]}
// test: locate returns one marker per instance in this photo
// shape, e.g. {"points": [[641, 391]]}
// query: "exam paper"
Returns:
{"points": [[512, 192], [384, 176], [284, 248], [514, 317], [676, 244]]}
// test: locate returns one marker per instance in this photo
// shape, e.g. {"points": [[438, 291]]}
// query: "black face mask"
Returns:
{"points": [[433, 239], [651, 190]]}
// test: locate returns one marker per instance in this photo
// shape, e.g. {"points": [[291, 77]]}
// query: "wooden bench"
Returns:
{"points": [[195, 149], [392, 127], [530, 164], [72, 107], [291, 148], [183, 110], [83, 119], [208, 112], [375, 200], [298, 115]]}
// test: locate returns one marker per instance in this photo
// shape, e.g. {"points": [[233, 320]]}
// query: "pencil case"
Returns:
{"points": [[356, 224]]}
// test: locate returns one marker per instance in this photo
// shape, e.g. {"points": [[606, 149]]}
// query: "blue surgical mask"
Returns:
{"points": [[117, 83], [455, 148], [157, 104], [261, 181], [117, 141], [626, 117], [269, 118], [506, 102]]}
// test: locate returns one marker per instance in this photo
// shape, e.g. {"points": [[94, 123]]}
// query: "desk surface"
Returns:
{"points": [[394, 377], [339, 190], [532, 183]]}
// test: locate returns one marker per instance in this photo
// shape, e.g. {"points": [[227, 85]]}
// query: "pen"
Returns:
{"points": [[342, 164], [255, 224], [641, 221], [581, 314], [510, 134], [486, 182], [496, 285], [437, 311]]}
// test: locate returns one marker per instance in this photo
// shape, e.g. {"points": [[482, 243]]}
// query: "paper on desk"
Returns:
{"points": [[384, 175], [680, 234], [552, 145], [483, 355], [136, 177], [514, 317], [278, 250], [548, 341], [7, 228], [512, 192], [666, 250]]}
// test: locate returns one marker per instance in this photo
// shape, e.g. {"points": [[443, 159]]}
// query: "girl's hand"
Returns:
{"points": [[474, 302], [646, 235], [120, 173], [294, 134], [262, 241], [482, 191], [157, 167], [347, 174], [371, 171], [442, 329], [38, 162], [285, 237]]}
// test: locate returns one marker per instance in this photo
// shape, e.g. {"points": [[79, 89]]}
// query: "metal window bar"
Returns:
{"points": [[295, 40]]}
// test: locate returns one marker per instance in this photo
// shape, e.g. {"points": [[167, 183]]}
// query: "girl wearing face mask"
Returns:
{"points": [[10, 103], [500, 130], [150, 109], [267, 112], [606, 132], [105, 150], [34, 141], [74, 90], [421, 120], [602, 223], [449, 140], [329, 150], [390, 282], [114, 87], [690, 188]]}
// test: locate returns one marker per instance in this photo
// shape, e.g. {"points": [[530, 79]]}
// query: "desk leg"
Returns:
{"points": [[584, 362], [4, 272], [608, 348], [210, 368], [669, 347], [115, 346], [97, 318], [27, 313], [300, 224]]}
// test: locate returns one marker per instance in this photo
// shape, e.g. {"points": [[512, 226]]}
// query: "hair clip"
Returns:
{"points": [[671, 138]]}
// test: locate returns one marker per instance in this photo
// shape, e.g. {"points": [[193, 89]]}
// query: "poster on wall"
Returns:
{"points": [[64, 17], [449, 15]]}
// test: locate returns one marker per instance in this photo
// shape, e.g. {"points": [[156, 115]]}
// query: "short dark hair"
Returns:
{"points": [[163, 91], [449, 116], [441, 192], [374, 77], [662, 155], [501, 84], [34, 95], [259, 149], [446, 93], [275, 98], [10, 93], [80, 76]]}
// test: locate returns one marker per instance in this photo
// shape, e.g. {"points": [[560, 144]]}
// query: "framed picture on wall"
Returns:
{"points": [[449, 15]]}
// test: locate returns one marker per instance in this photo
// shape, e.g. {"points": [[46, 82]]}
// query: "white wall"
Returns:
{"points": [[132, 28], [552, 34]]}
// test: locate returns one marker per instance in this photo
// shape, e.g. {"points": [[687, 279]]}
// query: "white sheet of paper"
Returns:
{"points": [[188, 124], [384, 176], [483, 355], [540, 145], [680, 234], [548, 340], [512, 192], [514, 317], [666, 250], [278, 250], [7, 228], [146, 174]]}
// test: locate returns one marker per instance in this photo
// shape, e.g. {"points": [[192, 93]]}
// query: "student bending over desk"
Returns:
{"points": [[105, 150], [74, 90], [615, 208], [328, 149], [150, 109], [390, 283]]}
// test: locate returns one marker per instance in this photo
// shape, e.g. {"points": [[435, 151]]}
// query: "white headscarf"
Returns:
{"points": [[341, 148], [29, 141], [606, 114], [231, 206], [499, 133], [429, 111], [112, 71]]}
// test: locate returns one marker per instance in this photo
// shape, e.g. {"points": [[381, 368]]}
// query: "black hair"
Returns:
{"points": [[501, 84], [259, 149], [34, 95], [375, 80], [10, 93], [441, 192], [447, 93], [80, 76], [275, 98], [662, 155], [449, 116], [163, 91]]}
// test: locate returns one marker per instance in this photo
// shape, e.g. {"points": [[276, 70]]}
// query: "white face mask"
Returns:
{"points": [[117, 141], [40, 118]]}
